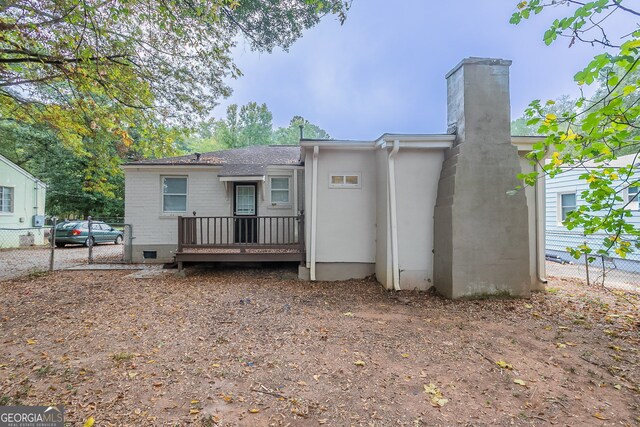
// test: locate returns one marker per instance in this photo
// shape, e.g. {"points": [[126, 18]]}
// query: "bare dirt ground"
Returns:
{"points": [[257, 347]]}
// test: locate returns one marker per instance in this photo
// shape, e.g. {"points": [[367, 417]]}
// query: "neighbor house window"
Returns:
{"points": [[6, 199], [567, 204], [280, 190], [351, 180], [174, 194], [633, 198]]}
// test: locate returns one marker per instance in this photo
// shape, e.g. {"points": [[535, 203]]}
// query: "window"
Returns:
{"points": [[279, 190], [351, 180], [567, 204], [633, 198], [174, 194], [6, 199]]}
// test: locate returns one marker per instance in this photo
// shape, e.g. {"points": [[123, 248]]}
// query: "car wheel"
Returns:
{"points": [[60, 245], [118, 240], [90, 242]]}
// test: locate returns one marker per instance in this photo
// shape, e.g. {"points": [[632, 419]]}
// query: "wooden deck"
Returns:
{"points": [[240, 239]]}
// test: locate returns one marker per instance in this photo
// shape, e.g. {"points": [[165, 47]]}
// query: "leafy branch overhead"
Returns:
{"points": [[173, 57], [103, 75], [595, 131]]}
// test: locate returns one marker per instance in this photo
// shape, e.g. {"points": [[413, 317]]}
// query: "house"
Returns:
{"points": [[22, 199], [415, 210], [563, 194]]}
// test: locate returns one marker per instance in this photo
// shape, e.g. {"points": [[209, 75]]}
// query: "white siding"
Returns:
{"points": [[207, 196], [558, 237]]}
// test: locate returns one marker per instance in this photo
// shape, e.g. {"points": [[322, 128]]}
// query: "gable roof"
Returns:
{"points": [[21, 171], [259, 156]]}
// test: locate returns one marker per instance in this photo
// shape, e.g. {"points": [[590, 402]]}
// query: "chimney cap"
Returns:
{"points": [[478, 61]]}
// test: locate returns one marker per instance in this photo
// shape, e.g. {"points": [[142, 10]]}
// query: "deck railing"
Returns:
{"points": [[268, 232]]}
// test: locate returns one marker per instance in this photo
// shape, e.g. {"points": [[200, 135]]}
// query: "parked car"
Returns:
{"points": [[77, 233]]}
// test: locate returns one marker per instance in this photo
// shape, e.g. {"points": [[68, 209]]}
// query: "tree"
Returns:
{"points": [[291, 134], [85, 67], [597, 130], [249, 125]]}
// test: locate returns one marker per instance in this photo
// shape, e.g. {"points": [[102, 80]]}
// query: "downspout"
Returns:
{"points": [[539, 244], [314, 211], [393, 216]]}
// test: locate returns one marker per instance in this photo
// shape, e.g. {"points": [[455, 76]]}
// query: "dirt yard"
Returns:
{"points": [[259, 348]]}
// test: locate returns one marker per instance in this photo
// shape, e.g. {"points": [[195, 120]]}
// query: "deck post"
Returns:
{"points": [[180, 234]]}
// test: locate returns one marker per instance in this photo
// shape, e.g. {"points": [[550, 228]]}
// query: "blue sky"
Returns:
{"points": [[383, 70]]}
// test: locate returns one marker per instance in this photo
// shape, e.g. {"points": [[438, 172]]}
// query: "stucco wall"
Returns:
{"points": [[417, 174], [346, 216], [383, 249]]}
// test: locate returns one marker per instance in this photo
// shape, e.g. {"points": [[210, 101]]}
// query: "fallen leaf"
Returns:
{"points": [[348, 314], [437, 399], [504, 365], [405, 355], [359, 363], [194, 411], [617, 387], [195, 402], [254, 410], [561, 345], [520, 382], [31, 341], [599, 416], [528, 306], [89, 422]]}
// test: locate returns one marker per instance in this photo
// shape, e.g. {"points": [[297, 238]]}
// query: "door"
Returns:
{"points": [[245, 205]]}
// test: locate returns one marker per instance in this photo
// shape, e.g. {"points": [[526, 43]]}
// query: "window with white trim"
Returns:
{"points": [[566, 204], [174, 194], [6, 199], [280, 193], [346, 180], [633, 198]]}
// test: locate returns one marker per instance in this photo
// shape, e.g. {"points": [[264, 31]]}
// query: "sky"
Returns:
{"points": [[383, 70]]}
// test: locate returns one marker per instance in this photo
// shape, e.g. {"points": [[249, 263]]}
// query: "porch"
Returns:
{"points": [[240, 239]]}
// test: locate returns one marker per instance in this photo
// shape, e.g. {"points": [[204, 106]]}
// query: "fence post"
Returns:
{"points": [[586, 264], [128, 249], [89, 242], [53, 242]]}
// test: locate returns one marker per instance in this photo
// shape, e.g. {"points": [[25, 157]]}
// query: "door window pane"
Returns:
{"points": [[245, 200]]}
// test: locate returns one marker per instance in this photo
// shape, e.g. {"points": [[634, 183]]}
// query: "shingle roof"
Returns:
{"points": [[235, 159]]}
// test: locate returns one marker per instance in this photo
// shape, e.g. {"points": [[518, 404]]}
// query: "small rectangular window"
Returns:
{"points": [[174, 194], [6, 199], [633, 198], [567, 204], [280, 190], [351, 180]]}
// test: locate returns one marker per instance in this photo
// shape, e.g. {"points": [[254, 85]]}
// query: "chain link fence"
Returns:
{"points": [[33, 250], [594, 269]]}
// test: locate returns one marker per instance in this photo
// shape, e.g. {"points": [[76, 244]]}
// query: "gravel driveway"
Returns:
{"points": [[20, 262]]}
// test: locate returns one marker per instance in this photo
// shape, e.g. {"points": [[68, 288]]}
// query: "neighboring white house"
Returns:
{"points": [[563, 194], [22, 199], [410, 209]]}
